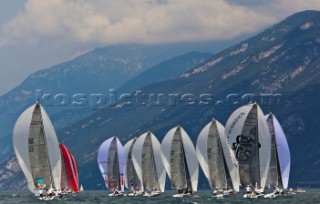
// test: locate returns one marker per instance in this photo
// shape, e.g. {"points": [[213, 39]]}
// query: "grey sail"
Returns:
{"points": [[216, 162], [248, 151], [38, 153], [148, 165], [274, 176], [113, 166], [180, 160], [133, 181], [178, 163], [216, 157]]}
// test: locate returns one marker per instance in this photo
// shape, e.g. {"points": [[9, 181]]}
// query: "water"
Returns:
{"points": [[91, 197]]}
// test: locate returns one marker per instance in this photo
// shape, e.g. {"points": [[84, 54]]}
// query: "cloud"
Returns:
{"points": [[122, 21], [277, 8], [144, 21]]}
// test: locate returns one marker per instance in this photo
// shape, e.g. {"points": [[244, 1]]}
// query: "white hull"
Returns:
{"points": [[219, 196], [271, 195], [115, 195], [47, 197], [152, 194]]}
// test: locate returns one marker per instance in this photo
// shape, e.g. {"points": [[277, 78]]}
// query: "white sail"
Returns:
{"points": [[20, 143], [156, 166], [248, 135], [102, 159], [122, 163], [283, 152], [81, 188], [53, 149], [115, 156], [202, 153], [189, 151]]}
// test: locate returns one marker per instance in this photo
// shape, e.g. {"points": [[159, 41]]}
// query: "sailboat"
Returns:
{"points": [[279, 168], [248, 135], [180, 161], [37, 150], [69, 174], [81, 188], [132, 180], [111, 161], [147, 161], [217, 161]]}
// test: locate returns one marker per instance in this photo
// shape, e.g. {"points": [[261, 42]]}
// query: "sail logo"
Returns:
{"points": [[234, 123], [243, 147]]}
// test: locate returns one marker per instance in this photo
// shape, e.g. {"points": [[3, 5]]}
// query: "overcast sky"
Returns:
{"points": [[36, 34]]}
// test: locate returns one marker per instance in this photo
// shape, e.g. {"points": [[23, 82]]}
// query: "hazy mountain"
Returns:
{"points": [[169, 69], [95, 72], [282, 61]]}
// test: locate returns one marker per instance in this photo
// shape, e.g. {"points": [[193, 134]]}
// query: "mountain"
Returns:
{"points": [[95, 72], [278, 68], [169, 69]]}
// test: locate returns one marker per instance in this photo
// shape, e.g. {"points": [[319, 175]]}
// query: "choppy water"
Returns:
{"points": [[90, 197]]}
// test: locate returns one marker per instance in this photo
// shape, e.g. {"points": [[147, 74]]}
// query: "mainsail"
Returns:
{"points": [[216, 159], [147, 161], [180, 160], [132, 180], [247, 133], [111, 161], [37, 149], [70, 170], [279, 168]]}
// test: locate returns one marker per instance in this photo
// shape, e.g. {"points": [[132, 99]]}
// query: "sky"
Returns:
{"points": [[37, 34]]}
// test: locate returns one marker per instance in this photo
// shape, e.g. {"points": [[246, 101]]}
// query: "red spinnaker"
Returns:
{"points": [[71, 168]]}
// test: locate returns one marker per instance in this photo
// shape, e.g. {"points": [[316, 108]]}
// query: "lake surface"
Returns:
{"points": [[90, 197]]}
